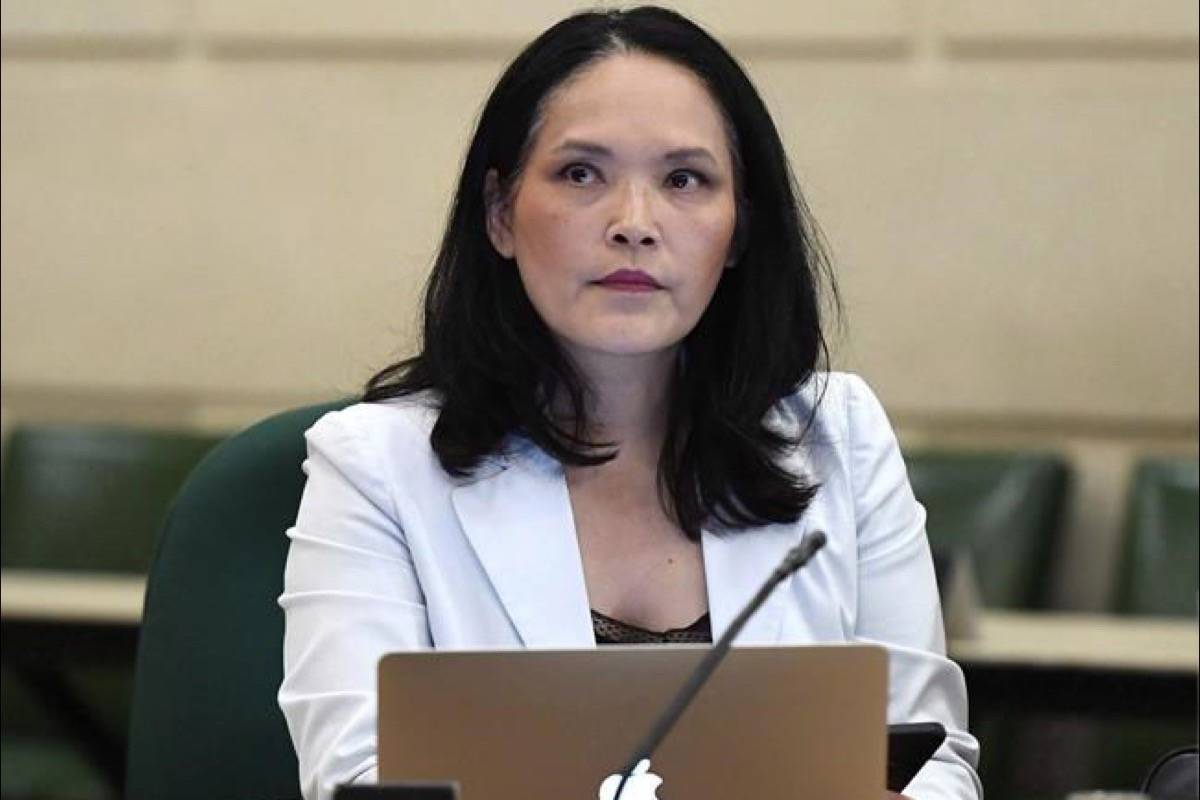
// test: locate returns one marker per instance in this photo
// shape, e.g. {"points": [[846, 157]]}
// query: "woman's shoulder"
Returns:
{"points": [[414, 413], [385, 429], [831, 406], [843, 430]]}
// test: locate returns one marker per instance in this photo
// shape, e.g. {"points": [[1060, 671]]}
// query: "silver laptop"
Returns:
{"points": [[773, 722]]}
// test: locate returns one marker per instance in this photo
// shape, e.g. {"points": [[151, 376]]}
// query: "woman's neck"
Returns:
{"points": [[628, 397]]}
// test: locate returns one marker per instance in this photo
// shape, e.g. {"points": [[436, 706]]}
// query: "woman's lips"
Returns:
{"points": [[629, 280]]}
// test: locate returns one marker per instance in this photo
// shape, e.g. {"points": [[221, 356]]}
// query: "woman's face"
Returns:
{"points": [[622, 219]]}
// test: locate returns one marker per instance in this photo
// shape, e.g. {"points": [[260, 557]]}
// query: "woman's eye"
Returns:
{"points": [[580, 174], [685, 179]]}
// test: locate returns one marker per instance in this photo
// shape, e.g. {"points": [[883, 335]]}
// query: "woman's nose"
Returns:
{"points": [[633, 222]]}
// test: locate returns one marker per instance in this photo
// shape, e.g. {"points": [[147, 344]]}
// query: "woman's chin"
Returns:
{"points": [[623, 345]]}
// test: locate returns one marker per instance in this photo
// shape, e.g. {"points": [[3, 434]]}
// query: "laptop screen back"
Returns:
{"points": [[773, 722]]}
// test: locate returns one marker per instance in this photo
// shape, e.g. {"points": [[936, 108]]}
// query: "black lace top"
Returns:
{"points": [[613, 631]]}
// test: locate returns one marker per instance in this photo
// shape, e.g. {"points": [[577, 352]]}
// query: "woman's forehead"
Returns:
{"points": [[633, 101]]}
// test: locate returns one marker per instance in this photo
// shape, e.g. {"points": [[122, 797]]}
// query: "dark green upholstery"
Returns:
{"points": [[90, 498], [1159, 571], [37, 769], [78, 498], [205, 720], [1157, 575], [1002, 508]]}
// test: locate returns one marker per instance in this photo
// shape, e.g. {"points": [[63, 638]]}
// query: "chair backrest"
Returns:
{"points": [[1002, 508], [83, 498], [1158, 571], [205, 719], [90, 497]]}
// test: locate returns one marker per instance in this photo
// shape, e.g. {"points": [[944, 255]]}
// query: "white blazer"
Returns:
{"points": [[390, 553]]}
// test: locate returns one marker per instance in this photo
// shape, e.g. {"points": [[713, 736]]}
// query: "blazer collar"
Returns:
{"points": [[517, 515], [735, 567]]}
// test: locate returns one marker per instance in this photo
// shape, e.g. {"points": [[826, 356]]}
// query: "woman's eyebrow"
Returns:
{"points": [[580, 146], [600, 151], [689, 154]]}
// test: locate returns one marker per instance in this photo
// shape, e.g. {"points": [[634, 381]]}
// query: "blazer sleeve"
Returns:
{"points": [[350, 595], [898, 604]]}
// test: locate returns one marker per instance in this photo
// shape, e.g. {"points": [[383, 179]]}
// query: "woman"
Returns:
{"points": [[616, 426]]}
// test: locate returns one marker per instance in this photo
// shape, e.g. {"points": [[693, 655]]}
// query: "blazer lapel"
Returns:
{"points": [[736, 565], [519, 522]]}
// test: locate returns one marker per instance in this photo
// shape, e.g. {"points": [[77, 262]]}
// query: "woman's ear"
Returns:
{"points": [[499, 215]]}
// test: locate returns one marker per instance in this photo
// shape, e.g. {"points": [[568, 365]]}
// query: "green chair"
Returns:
{"points": [[1158, 572], [1004, 509], [82, 498], [205, 720], [77, 499], [1157, 575]]}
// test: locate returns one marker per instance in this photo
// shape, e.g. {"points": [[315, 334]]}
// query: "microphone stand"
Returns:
{"points": [[796, 558]]}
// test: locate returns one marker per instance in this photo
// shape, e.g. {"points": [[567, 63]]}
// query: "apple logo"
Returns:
{"points": [[641, 785]]}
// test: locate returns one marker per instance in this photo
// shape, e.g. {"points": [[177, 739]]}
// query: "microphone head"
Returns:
{"points": [[801, 553], [816, 540]]}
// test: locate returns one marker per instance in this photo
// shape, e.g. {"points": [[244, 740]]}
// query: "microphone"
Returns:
{"points": [[796, 558]]}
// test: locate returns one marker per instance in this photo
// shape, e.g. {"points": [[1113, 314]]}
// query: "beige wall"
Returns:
{"points": [[217, 208]]}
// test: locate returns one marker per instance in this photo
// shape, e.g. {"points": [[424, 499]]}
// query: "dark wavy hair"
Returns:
{"points": [[495, 368]]}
